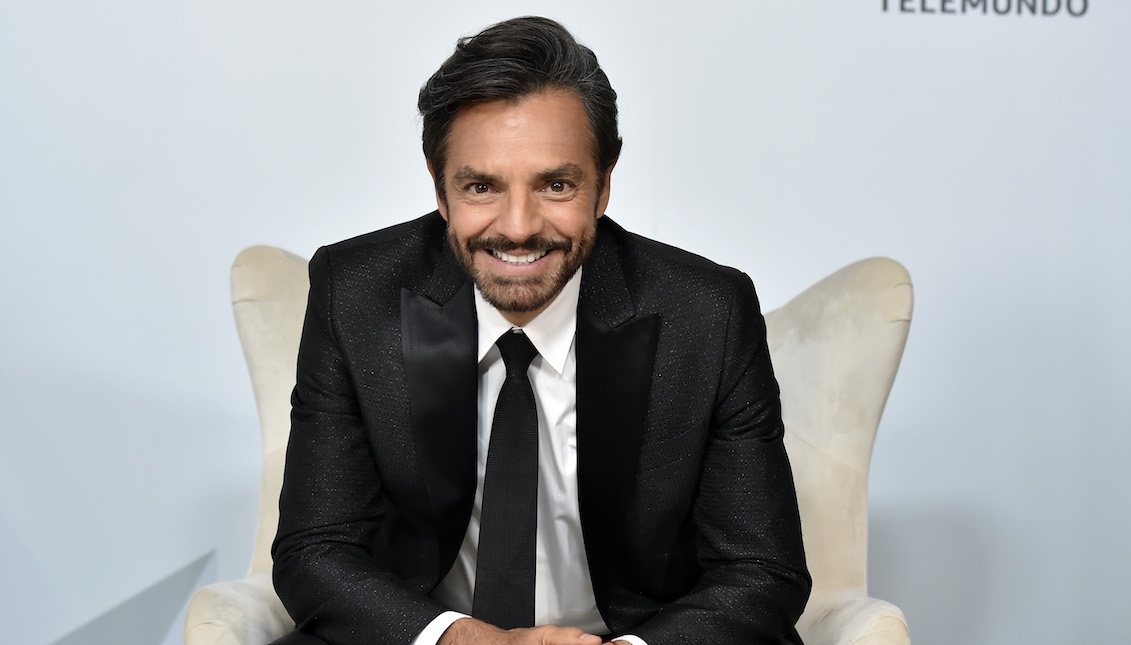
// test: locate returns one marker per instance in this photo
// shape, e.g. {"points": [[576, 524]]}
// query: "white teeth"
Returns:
{"points": [[518, 259]]}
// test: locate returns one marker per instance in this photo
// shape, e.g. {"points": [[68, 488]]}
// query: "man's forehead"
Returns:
{"points": [[549, 111], [543, 135]]}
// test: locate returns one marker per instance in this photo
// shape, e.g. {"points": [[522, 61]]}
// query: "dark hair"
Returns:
{"points": [[511, 60]]}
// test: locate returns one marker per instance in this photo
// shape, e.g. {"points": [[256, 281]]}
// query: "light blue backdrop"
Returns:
{"points": [[143, 144]]}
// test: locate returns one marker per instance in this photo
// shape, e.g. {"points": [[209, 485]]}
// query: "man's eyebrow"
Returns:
{"points": [[467, 174], [570, 171]]}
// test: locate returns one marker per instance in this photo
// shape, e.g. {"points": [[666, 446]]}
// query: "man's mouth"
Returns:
{"points": [[519, 259]]}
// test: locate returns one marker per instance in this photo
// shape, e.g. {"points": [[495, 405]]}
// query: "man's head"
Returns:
{"points": [[520, 136], [512, 60]]}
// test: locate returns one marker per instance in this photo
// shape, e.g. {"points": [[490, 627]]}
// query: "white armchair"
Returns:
{"points": [[836, 348]]}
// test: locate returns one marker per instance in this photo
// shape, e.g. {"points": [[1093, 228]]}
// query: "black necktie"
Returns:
{"points": [[504, 568]]}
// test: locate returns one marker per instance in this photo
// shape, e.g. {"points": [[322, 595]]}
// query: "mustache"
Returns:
{"points": [[532, 244]]}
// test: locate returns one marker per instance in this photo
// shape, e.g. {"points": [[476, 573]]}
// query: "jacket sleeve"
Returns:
{"points": [[754, 582], [330, 508]]}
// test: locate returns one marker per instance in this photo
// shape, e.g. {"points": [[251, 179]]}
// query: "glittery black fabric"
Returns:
{"points": [[687, 500]]}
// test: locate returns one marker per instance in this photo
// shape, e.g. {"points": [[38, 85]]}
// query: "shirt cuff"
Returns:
{"points": [[435, 629], [631, 638]]}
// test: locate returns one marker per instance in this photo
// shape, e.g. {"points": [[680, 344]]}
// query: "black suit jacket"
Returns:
{"points": [[687, 503]]}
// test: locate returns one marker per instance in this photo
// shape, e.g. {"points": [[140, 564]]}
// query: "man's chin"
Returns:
{"points": [[512, 296]]}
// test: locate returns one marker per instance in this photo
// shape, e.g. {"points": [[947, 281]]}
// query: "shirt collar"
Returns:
{"points": [[551, 332]]}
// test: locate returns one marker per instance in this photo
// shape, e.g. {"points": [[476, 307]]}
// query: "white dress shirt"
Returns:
{"points": [[563, 589]]}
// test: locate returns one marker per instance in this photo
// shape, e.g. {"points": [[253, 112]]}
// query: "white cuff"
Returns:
{"points": [[631, 638], [435, 629]]}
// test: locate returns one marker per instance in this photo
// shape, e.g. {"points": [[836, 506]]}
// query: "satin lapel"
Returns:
{"points": [[615, 354], [439, 345], [614, 374]]}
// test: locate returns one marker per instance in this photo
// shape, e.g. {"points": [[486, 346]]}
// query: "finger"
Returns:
{"points": [[552, 635]]}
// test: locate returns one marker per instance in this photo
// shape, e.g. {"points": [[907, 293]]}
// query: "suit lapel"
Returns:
{"points": [[438, 333], [615, 353]]}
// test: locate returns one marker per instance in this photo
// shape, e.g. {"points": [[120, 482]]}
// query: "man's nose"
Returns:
{"points": [[521, 218]]}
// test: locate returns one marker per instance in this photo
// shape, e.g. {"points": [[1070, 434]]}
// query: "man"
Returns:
{"points": [[630, 483]]}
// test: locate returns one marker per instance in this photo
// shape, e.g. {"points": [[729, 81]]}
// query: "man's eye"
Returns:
{"points": [[558, 186], [480, 189]]}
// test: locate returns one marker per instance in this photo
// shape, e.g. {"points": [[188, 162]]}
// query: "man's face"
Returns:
{"points": [[522, 198]]}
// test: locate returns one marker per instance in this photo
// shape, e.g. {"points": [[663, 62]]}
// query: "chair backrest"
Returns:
{"points": [[836, 348], [269, 288]]}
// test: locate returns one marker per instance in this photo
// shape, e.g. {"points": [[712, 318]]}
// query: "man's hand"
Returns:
{"points": [[469, 631]]}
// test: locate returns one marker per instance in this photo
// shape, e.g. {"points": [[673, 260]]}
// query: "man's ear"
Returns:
{"points": [[606, 186], [441, 205]]}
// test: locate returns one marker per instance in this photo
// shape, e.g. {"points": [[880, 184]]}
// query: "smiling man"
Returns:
{"points": [[514, 421]]}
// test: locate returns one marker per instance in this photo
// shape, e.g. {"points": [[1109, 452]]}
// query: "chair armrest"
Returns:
{"points": [[240, 612], [850, 618]]}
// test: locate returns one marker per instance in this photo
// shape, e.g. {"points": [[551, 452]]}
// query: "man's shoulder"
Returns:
{"points": [[649, 264], [393, 242], [377, 265]]}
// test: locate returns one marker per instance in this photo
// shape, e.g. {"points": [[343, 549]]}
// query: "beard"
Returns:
{"points": [[529, 293]]}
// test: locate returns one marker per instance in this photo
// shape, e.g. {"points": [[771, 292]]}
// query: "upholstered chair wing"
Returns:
{"points": [[836, 349], [269, 288]]}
